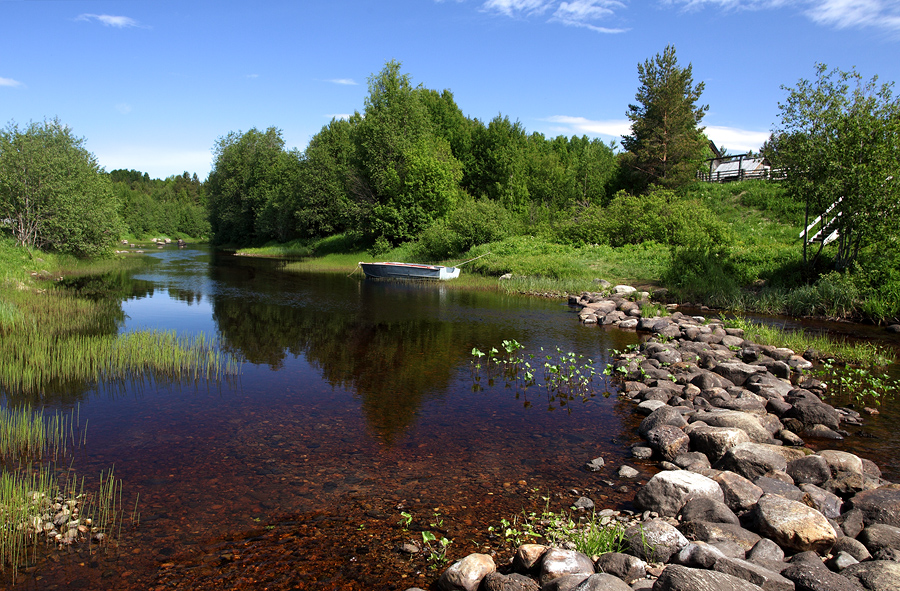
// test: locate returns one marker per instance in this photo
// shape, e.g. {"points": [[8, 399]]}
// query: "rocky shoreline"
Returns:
{"points": [[741, 503]]}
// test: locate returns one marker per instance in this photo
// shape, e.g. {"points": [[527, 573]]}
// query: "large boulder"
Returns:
{"points": [[466, 574], [768, 579], [667, 492], [669, 441], [558, 562], [752, 460], [682, 578], [740, 493], [716, 533], [813, 469], [716, 441], [734, 418], [793, 525], [737, 372], [706, 509], [603, 582], [625, 566], [655, 540], [879, 505], [875, 575]]}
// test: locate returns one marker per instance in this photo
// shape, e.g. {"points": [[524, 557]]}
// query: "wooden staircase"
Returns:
{"points": [[827, 226]]}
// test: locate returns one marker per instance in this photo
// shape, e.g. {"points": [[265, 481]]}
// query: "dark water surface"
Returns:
{"points": [[355, 403]]}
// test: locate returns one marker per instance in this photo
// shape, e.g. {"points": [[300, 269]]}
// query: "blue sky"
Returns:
{"points": [[151, 84]]}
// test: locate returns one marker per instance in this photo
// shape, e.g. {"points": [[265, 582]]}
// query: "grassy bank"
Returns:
{"points": [[734, 247]]}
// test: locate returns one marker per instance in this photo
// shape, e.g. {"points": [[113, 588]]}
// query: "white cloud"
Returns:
{"points": [[577, 13], [736, 140], [10, 82], [840, 14], [583, 13], [343, 81], [123, 108], [251, 76], [517, 7], [581, 126], [843, 14], [119, 22]]}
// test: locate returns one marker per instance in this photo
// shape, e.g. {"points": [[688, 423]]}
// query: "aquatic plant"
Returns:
{"points": [[564, 376], [36, 509], [857, 384]]}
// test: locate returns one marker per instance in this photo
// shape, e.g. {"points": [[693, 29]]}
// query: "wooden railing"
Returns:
{"points": [[770, 174]]}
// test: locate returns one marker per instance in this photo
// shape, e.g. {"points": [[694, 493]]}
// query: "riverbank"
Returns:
{"points": [[741, 501]]}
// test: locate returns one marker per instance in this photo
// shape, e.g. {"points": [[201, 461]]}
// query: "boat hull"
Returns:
{"points": [[408, 271]]}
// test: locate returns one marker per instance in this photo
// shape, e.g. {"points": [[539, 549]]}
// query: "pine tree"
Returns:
{"points": [[666, 144]]}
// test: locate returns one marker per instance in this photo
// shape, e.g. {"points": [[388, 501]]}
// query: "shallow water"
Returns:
{"points": [[355, 404]]}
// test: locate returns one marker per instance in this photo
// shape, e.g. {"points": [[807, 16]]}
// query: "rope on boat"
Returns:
{"points": [[470, 260]]}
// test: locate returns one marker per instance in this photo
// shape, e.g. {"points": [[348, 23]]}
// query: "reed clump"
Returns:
{"points": [[37, 509], [56, 337]]}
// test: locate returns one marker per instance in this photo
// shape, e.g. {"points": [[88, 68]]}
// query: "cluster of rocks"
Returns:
{"points": [[741, 503], [57, 519]]}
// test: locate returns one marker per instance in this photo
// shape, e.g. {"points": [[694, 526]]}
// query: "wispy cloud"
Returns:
{"points": [[843, 14], [584, 13], [252, 76], [733, 138], [344, 81], [119, 22], [9, 82], [517, 8], [568, 125], [840, 14], [577, 13]]}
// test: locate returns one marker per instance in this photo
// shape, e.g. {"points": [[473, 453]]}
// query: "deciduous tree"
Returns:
{"points": [[53, 194], [839, 138]]}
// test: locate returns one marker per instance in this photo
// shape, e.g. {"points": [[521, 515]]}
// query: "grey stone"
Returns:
{"points": [[738, 372], [712, 533], [681, 578], [565, 582], [668, 491], [793, 525], [751, 460], [557, 562], [466, 574], [665, 415], [813, 469], [739, 492], [706, 509], [769, 580], [853, 547], [875, 575], [734, 418], [828, 504], [594, 465], [880, 505], [809, 576], [512, 582], [766, 551], [628, 472], [654, 540], [880, 535], [603, 582], [625, 566], [714, 442], [669, 441]]}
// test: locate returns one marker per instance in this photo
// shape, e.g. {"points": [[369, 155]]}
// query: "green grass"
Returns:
{"points": [[293, 249], [858, 353], [36, 508]]}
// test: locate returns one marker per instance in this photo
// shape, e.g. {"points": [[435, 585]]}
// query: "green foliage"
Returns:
{"points": [[859, 385], [840, 139], [54, 193], [251, 188], [174, 207], [666, 145], [469, 224]]}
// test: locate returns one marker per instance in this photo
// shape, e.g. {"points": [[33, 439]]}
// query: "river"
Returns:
{"points": [[355, 425]]}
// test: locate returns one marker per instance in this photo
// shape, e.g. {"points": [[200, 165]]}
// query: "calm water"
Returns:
{"points": [[355, 403]]}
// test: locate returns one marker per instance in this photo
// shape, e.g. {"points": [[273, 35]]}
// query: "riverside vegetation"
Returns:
{"points": [[55, 342]]}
